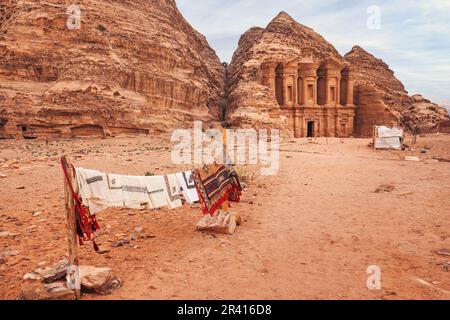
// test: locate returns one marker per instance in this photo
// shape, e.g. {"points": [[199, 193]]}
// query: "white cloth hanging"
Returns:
{"points": [[188, 186], [100, 191], [157, 191], [173, 191], [134, 189], [115, 197], [92, 187]]}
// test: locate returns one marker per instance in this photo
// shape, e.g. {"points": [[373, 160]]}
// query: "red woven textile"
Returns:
{"points": [[87, 224], [216, 187]]}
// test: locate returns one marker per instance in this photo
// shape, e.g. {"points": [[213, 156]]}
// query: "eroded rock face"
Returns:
{"points": [[428, 116], [133, 67], [381, 99]]}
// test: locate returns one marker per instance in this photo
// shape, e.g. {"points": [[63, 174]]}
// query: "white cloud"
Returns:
{"points": [[413, 38]]}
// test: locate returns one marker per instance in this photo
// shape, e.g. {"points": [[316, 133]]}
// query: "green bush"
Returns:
{"points": [[101, 28]]}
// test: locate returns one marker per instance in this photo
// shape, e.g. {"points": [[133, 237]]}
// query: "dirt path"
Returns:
{"points": [[310, 232]]}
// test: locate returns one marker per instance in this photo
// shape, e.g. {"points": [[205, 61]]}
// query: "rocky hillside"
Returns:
{"points": [[249, 102], [133, 67], [380, 95]]}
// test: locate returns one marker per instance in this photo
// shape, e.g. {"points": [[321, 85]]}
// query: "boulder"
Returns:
{"points": [[221, 222], [49, 274], [98, 280]]}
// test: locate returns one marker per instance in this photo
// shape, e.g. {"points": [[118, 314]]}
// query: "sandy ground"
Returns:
{"points": [[309, 232]]}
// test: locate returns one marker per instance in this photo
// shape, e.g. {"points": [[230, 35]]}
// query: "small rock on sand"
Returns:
{"points": [[414, 159], [9, 253], [7, 234], [443, 252], [384, 188], [37, 213], [120, 243]]}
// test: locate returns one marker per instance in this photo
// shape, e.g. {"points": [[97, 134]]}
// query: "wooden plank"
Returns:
{"points": [[72, 237]]}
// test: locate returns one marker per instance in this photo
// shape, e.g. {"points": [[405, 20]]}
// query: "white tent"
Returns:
{"points": [[388, 138]]}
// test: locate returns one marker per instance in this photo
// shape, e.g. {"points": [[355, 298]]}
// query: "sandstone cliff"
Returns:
{"points": [[134, 66], [382, 99], [250, 104]]}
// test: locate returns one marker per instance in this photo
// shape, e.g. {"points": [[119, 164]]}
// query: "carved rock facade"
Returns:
{"points": [[289, 77], [316, 98]]}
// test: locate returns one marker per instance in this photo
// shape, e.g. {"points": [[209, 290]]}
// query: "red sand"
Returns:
{"points": [[309, 232]]}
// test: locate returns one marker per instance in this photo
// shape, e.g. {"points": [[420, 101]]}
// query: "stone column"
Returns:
{"points": [[337, 126], [350, 88], [327, 91], [315, 91], [285, 91], [295, 91], [305, 92], [338, 91], [272, 78], [297, 126], [299, 90]]}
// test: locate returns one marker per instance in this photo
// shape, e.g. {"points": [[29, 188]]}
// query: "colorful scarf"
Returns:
{"points": [[86, 222], [216, 188]]}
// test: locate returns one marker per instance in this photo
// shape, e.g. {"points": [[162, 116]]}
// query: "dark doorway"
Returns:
{"points": [[310, 129]]}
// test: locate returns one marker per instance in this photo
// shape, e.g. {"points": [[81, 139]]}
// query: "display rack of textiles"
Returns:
{"points": [[88, 191], [93, 191]]}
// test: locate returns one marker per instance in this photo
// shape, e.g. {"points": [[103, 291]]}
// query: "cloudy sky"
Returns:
{"points": [[413, 36]]}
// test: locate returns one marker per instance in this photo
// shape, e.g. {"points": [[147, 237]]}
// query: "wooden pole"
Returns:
{"points": [[374, 136], [72, 237], [226, 205]]}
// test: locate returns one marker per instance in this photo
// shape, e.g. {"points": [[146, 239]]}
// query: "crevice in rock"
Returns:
{"points": [[224, 102]]}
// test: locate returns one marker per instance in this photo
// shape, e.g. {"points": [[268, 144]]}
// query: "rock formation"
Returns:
{"points": [[250, 102], [133, 67], [378, 97], [382, 99]]}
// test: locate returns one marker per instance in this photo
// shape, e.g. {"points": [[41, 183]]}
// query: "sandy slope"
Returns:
{"points": [[309, 232]]}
